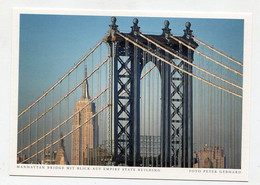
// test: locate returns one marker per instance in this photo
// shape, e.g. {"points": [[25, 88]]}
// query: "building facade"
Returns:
{"points": [[48, 157], [210, 157], [61, 157], [95, 156], [86, 133], [150, 146], [58, 156]]}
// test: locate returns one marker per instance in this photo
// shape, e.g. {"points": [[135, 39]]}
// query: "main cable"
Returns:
{"points": [[59, 101], [202, 54], [57, 83], [164, 60], [186, 61], [213, 49]]}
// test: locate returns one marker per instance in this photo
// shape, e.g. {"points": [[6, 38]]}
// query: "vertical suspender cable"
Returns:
{"points": [[219, 102], [100, 105], [225, 126], [110, 122], [157, 118], [77, 146], [143, 114], [37, 113], [59, 110], [22, 142], [203, 106], [146, 120], [149, 120], [29, 138], [197, 109], [51, 149], [153, 113], [209, 114], [231, 131], [68, 114], [104, 126], [44, 123], [234, 129]]}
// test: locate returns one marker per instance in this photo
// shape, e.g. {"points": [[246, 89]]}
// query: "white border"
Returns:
{"points": [[165, 173]]}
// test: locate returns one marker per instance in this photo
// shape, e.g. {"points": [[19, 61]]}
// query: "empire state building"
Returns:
{"points": [[87, 135]]}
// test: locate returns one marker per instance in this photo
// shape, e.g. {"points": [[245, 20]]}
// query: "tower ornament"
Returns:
{"points": [[188, 32]]}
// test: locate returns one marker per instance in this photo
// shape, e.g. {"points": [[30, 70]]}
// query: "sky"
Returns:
{"points": [[51, 44]]}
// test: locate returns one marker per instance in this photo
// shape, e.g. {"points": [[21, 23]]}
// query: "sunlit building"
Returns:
{"points": [[210, 157], [60, 155], [86, 128]]}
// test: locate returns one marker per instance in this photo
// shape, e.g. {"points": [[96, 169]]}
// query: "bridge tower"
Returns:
{"points": [[176, 124]]}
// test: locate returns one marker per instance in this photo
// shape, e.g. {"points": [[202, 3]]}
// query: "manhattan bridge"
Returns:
{"points": [[138, 99]]}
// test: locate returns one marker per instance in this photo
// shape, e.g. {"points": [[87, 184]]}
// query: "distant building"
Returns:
{"points": [[60, 157], [48, 157], [22, 158], [55, 157], [87, 135], [95, 156], [210, 157], [150, 146]]}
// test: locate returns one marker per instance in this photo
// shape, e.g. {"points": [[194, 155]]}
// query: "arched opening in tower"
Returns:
{"points": [[150, 115]]}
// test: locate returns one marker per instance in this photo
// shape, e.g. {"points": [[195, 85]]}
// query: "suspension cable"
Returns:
{"points": [[202, 54], [148, 71], [186, 61], [213, 49], [59, 101], [67, 74], [191, 74], [65, 121], [61, 138]]}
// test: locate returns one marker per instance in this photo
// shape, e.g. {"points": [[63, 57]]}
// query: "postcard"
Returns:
{"points": [[147, 95]]}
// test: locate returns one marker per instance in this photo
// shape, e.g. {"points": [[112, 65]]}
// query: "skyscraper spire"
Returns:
{"points": [[84, 136], [85, 92]]}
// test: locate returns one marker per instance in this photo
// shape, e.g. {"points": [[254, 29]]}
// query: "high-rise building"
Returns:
{"points": [[87, 134], [61, 157], [210, 157]]}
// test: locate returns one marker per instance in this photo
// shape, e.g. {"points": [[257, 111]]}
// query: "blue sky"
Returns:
{"points": [[51, 44]]}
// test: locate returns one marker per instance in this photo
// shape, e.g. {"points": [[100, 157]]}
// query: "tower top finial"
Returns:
{"points": [[113, 26], [113, 20], [166, 23], [135, 21], [187, 25], [188, 31], [135, 27], [166, 29]]}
